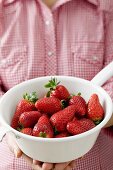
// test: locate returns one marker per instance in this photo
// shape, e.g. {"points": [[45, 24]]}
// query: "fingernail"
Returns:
{"points": [[34, 162], [17, 153]]}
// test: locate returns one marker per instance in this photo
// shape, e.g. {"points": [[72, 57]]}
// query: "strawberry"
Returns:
{"points": [[27, 131], [56, 90], [79, 126], [43, 128], [29, 119], [48, 105], [24, 105], [75, 118], [61, 135], [74, 127], [27, 103], [95, 110], [60, 119], [80, 103], [87, 124], [14, 122]]}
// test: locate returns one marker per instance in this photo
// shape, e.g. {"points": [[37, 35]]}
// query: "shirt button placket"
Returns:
{"points": [[1, 19], [47, 22], [50, 45], [50, 53]]}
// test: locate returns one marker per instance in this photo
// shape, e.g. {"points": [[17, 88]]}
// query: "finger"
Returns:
{"points": [[81, 157], [13, 145], [36, 167], [17, 152], [36, 162], [61, 166], [30, 162], [27, 159], [68, 168], [47, 166], [73, 164]]}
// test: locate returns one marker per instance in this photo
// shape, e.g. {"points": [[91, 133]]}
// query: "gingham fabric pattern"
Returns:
{"points": [[74, 38]]}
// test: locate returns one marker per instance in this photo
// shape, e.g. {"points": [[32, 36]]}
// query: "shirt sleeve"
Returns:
{"points": [[1, 12], [108, 86], [1, 91]]}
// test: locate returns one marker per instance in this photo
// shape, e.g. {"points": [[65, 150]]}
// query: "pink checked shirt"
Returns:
{"points": [[74, 38]]}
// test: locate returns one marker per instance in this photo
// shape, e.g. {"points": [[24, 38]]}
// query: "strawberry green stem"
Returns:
{"points": [[97, 122], [42, 134], [52, 84], [55, 131], [64, 104], [32, 97]]}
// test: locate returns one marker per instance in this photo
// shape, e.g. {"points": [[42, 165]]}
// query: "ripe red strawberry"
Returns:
{"points": [[74, 119], [56, 90], [60, 119], [74, 127], [87, 124], [61, 135], [95, 110], [48, 105], [80, 103], [29, 119], [14, 121], [26, 104], [43, 128], [27, 131], [79, 126]]}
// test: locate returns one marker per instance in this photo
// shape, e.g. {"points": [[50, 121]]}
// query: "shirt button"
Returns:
{"points": [[50, 53], [95, 58], [47, 22]]}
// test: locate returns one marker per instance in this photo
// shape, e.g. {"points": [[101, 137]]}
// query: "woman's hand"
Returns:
{"points": [[110, 122], [36, 165]]}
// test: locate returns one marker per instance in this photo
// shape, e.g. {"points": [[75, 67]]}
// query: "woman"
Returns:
{"points": [[56, 37]]}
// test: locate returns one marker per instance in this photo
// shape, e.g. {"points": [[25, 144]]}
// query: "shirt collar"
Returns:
{"points": [[105, 5], [7, 2], [94, 2]]}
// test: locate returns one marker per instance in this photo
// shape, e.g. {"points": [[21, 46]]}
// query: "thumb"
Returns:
{"points": [[13, 145], [61, 166], [17, 151]]}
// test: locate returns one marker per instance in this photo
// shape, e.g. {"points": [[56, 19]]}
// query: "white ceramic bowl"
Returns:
{"points": [[54, 149]]}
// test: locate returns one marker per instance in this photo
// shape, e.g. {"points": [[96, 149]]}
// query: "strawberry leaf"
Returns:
{"points": [[32, 97], [55, 131], [48, 94], [52, 83], [42, 134], [97, 122]]}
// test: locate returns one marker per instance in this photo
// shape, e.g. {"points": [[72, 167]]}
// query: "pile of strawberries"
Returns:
{"points": [[57, 114]]}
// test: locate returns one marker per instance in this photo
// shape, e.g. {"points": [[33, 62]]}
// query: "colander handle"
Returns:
{"points": [[105, 74], [3, 131]]}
